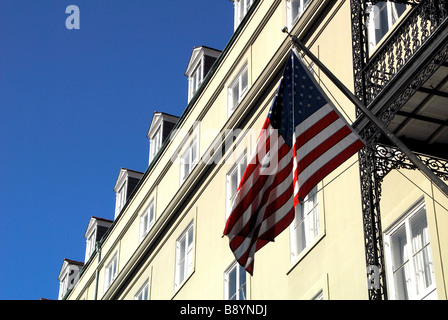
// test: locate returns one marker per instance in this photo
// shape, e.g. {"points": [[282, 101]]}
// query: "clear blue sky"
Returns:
{"points": [[75, 107]]}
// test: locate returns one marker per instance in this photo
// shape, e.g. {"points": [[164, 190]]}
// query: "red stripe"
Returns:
{"points": [[322, 148], [316, 128], [327, 168]]}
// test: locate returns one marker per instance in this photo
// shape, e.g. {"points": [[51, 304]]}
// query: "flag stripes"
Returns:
{"points": [[302, 140], [264, 205]]}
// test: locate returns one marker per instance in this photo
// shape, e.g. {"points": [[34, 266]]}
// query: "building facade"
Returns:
{"points": [[375, 228]]}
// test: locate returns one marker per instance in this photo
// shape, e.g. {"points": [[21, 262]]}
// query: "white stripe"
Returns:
{"points": [[321, 137], [326, 157], [312, 119]]}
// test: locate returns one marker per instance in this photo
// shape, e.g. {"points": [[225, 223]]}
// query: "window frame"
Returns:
{"points": [[112, 265], [391, 21], [241, 8], [238, 286], [143, 291], [191, 157], [311, 221], [291, 17], [144, 229], [196, 78], [237, 83], [405, 224], [239, 167], [156, 141], [184, 265], [90, 244], [121, 198]]}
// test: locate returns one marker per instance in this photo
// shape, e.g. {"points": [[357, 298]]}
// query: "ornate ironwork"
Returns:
{"points": [[371, 76], [388, 158], [397, 50]]}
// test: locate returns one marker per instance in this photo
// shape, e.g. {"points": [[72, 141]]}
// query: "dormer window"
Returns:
{"points": [[96, 229], [126, 182], [241, 9], [67, 276], [201, 60], [159, 130]]}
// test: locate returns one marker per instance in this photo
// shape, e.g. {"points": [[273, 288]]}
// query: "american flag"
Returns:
{"points": [[302, 140]]}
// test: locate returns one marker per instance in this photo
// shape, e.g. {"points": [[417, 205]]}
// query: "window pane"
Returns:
{"points": [[232, 284], [233, 182], [399, 247], [419, 229], [402, 282], [190, 237], [193, 151], [295, 8], [423, 269], [244, 80], [151, 213], [242, 283], [235, 95]]}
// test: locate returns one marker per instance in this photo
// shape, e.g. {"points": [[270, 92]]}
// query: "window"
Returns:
{"points": [[121, 199], [156, 142], [184, 256], [111, 272], [237, 89], [294, 10], [234, 177], [305, 227], [382, 17], [196, 79], [147, 220], [188, 160], [241, 9], [318, 296], [409, 261], [235, 283], [63, 286], [143, 292], [90, 245]]}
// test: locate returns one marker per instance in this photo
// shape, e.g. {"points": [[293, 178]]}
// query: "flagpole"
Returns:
{"points": [[443, 187]]}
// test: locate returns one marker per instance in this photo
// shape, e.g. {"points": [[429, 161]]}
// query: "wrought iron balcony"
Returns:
{"points": [[412, 35], [405, 84]]}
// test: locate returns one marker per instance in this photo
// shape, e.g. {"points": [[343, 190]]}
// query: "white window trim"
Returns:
{"points": [[196, 78], [431, 291], [291, 19], [237, 81], [187, 260], [150, 222], [241, 7], [373, 10], [90, 244], [310, 239], [108, 280], [236, 168], [121, 198], [238, 285], [187, 153], [156, 141]]}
